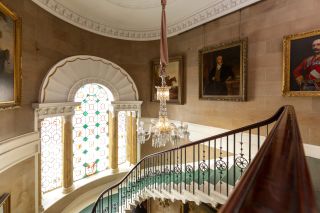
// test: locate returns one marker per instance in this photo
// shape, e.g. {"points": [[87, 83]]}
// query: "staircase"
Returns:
{"points": [[205, 171]]}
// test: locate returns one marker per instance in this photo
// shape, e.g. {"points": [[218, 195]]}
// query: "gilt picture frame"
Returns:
{"points": [[10, 58], [5, 203], [174, 79], [223, 71], [301, 64]]}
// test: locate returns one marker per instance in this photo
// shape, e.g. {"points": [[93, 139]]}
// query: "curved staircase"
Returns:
{"points": [[208, 170]]}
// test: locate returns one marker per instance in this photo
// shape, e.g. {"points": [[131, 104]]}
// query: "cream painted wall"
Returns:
{"points": [[46, 40], [264, 24], [19, 181]]}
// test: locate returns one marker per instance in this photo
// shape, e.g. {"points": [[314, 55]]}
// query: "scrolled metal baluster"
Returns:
{"points": [[215, 164], [221, 165], [234, 160], [111, 202], [198, 167], [258, 138], [228, 165], [241, 161], [185, 168], [180, 170], [249, 145], [194, 168], [209, 182], [170, 173]]}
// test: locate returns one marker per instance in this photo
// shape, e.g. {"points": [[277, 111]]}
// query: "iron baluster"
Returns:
{"points": [[198, 167], [215, 164], [209, 149], [180, 171], [185, 168], [193, 167], [234, 160], [249, 145], [258, 138], [227, 166]]}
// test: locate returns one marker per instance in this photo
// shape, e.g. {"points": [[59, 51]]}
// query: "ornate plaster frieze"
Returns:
{"points": [[45, 110], [213, 11], [127, 106], [138, 4]]}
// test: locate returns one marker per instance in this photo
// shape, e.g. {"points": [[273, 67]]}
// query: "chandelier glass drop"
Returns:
{"points": [[161, 131]]}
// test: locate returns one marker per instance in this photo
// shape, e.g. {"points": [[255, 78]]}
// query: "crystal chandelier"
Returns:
{"points": [[161, 131]]}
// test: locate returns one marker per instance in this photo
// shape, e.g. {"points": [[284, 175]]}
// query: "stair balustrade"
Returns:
{"points": [[206, 171]]}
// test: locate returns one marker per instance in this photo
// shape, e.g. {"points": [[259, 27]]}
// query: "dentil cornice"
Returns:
{"points": [[215, 10]]}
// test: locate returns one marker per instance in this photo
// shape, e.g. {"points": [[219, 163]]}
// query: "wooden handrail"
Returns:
{"points": [[278, 179], [274, 118]]}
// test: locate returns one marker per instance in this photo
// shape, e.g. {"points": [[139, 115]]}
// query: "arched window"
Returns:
{"points": [[90, 130]]}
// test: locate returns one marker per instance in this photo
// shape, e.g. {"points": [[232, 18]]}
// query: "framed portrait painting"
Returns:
{"points": [[301, 64], [223, 71], [10, 58], [174, 79]]}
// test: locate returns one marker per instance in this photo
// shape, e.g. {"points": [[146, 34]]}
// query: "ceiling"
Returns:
{"points": [[139, 19]]}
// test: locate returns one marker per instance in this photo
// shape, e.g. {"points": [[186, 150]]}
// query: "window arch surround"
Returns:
{"points": [[68, 75], [60, 85]]}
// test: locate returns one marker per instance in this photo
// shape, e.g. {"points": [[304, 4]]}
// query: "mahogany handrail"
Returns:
{"points": [[277, 180], [242, 129], [279, 165]]}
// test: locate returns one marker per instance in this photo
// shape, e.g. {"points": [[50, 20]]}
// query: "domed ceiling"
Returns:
{"points": [[139, 19]]}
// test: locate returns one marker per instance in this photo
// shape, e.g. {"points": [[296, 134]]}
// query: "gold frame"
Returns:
{"points": [[17, 58], [243, 43], [181, 91], [5, 202], [286, 65]]}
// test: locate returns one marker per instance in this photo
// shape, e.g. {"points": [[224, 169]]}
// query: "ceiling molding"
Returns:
{"points": [[215, 10], [138, 4]]}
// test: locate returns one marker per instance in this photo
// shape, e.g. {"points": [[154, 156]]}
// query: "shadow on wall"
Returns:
{"points": [[314, 168]]}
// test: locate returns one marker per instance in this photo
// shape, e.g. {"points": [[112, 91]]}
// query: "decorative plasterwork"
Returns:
{"points": [[127, 106], [83, 82], [216, 9], [68, 75], [55, 109], [138, 4]]}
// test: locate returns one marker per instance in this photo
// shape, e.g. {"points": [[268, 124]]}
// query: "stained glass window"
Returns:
{"points": [[90, 130], [51, 153], [122, 137]]}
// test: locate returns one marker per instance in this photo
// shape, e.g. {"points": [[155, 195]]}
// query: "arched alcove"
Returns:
{"points": [[57, 102], [68, 75]]}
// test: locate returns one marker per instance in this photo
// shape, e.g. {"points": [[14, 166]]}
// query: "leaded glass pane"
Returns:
{"points": [[122, 137], [90, 131], [51, 153]]}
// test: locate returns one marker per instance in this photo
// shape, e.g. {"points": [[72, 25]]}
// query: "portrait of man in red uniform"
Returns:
{"points": [[307, 73]]}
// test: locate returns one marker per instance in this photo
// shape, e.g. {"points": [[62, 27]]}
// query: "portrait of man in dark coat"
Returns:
{"points": [[219, 74]]}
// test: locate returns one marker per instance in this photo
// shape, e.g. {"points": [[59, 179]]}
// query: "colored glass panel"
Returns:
{"points": [[90, 131], [51, 153]]}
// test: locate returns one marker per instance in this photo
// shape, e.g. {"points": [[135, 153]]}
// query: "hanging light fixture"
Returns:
{"points": [[161, 131]]}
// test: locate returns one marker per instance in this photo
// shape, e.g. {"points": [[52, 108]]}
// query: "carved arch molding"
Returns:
{"points": [[68, 75]]}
